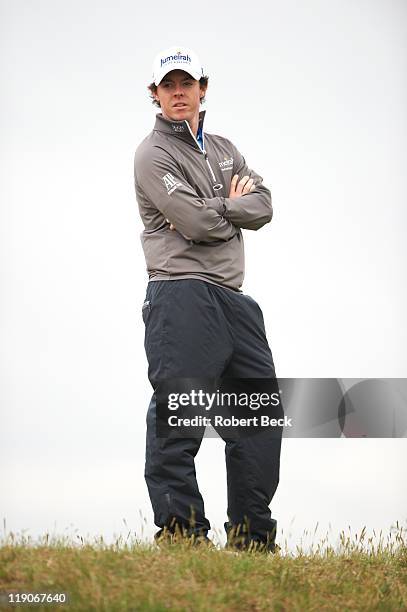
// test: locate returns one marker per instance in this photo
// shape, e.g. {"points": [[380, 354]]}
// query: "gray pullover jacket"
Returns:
{"points": [[176, 182]]}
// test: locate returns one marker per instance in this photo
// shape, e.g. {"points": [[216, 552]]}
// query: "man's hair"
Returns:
{"points": [[203, 82]]}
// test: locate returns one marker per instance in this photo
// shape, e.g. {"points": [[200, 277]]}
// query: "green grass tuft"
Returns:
{"points": [[361, 573]]}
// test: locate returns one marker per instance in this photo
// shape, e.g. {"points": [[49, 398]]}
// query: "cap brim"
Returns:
{"points": [[195, 75]]}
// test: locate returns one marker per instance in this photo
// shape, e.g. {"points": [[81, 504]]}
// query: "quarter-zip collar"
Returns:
{"points": [[180, 129]]}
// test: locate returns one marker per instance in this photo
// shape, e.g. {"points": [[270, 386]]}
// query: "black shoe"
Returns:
{"points": [[240, 539], [166, 536], [253, 546]]}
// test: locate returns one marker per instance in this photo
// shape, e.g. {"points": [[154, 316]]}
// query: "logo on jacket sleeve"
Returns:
{"points": [[170, 182]]}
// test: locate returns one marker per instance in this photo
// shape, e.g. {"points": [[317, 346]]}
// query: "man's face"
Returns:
{"points": [[179, 95]]}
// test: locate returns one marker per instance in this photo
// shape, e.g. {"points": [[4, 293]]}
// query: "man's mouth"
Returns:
{"points": [[180, 105]]}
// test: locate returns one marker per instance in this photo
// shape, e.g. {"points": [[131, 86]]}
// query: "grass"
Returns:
{"points": [[360, 573]]}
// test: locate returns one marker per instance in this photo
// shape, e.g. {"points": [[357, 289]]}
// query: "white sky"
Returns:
{"points": [[314, 95]]}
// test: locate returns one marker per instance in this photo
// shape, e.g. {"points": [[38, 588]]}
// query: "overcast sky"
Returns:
{"points": [[314, 95]]}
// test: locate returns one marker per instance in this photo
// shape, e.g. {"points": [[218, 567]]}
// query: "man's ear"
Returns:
{"points": [[203, 91]]}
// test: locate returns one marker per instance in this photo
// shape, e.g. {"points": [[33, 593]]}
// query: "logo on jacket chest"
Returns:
{"points": [[226, 164], [178, 128]]}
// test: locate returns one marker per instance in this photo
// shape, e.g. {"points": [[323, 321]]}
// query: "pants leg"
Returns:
{"points": [[252, 474], [171, 480], [186, 337], [252, 462]]}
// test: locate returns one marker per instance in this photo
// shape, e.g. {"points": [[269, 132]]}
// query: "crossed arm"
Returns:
{"points": [[237, 189], [160, 181]]}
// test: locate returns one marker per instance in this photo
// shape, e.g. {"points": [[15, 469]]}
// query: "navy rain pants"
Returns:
{"points": [[195, 329]]}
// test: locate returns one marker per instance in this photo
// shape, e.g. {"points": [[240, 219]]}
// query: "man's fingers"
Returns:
{"points": [[243, 181], [172, 227], [245, 185], [241, 184], [233, 183], [248, 186]]}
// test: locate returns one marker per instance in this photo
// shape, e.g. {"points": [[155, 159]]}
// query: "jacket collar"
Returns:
{"points": [[180, 129]]}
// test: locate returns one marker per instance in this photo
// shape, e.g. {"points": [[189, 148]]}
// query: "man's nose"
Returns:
{"points": [[178, 91]]}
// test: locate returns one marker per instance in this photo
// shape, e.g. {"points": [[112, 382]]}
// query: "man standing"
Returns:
{"points": [[195, 195]]}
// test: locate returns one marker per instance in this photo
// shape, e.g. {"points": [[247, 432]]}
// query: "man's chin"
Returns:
{"points": [[181, 114]]}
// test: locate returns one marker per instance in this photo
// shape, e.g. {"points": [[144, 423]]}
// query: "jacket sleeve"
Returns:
{"points": [[161, 180], [252, 210]]}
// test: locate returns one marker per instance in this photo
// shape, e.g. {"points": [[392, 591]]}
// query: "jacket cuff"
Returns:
{"points": [[220, 206]]}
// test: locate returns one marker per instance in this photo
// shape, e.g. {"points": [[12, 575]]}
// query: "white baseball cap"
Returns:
{"points": [[176, 58]]}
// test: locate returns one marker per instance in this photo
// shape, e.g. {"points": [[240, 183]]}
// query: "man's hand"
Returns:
{"points": [[237, 189], [245, 185]]}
